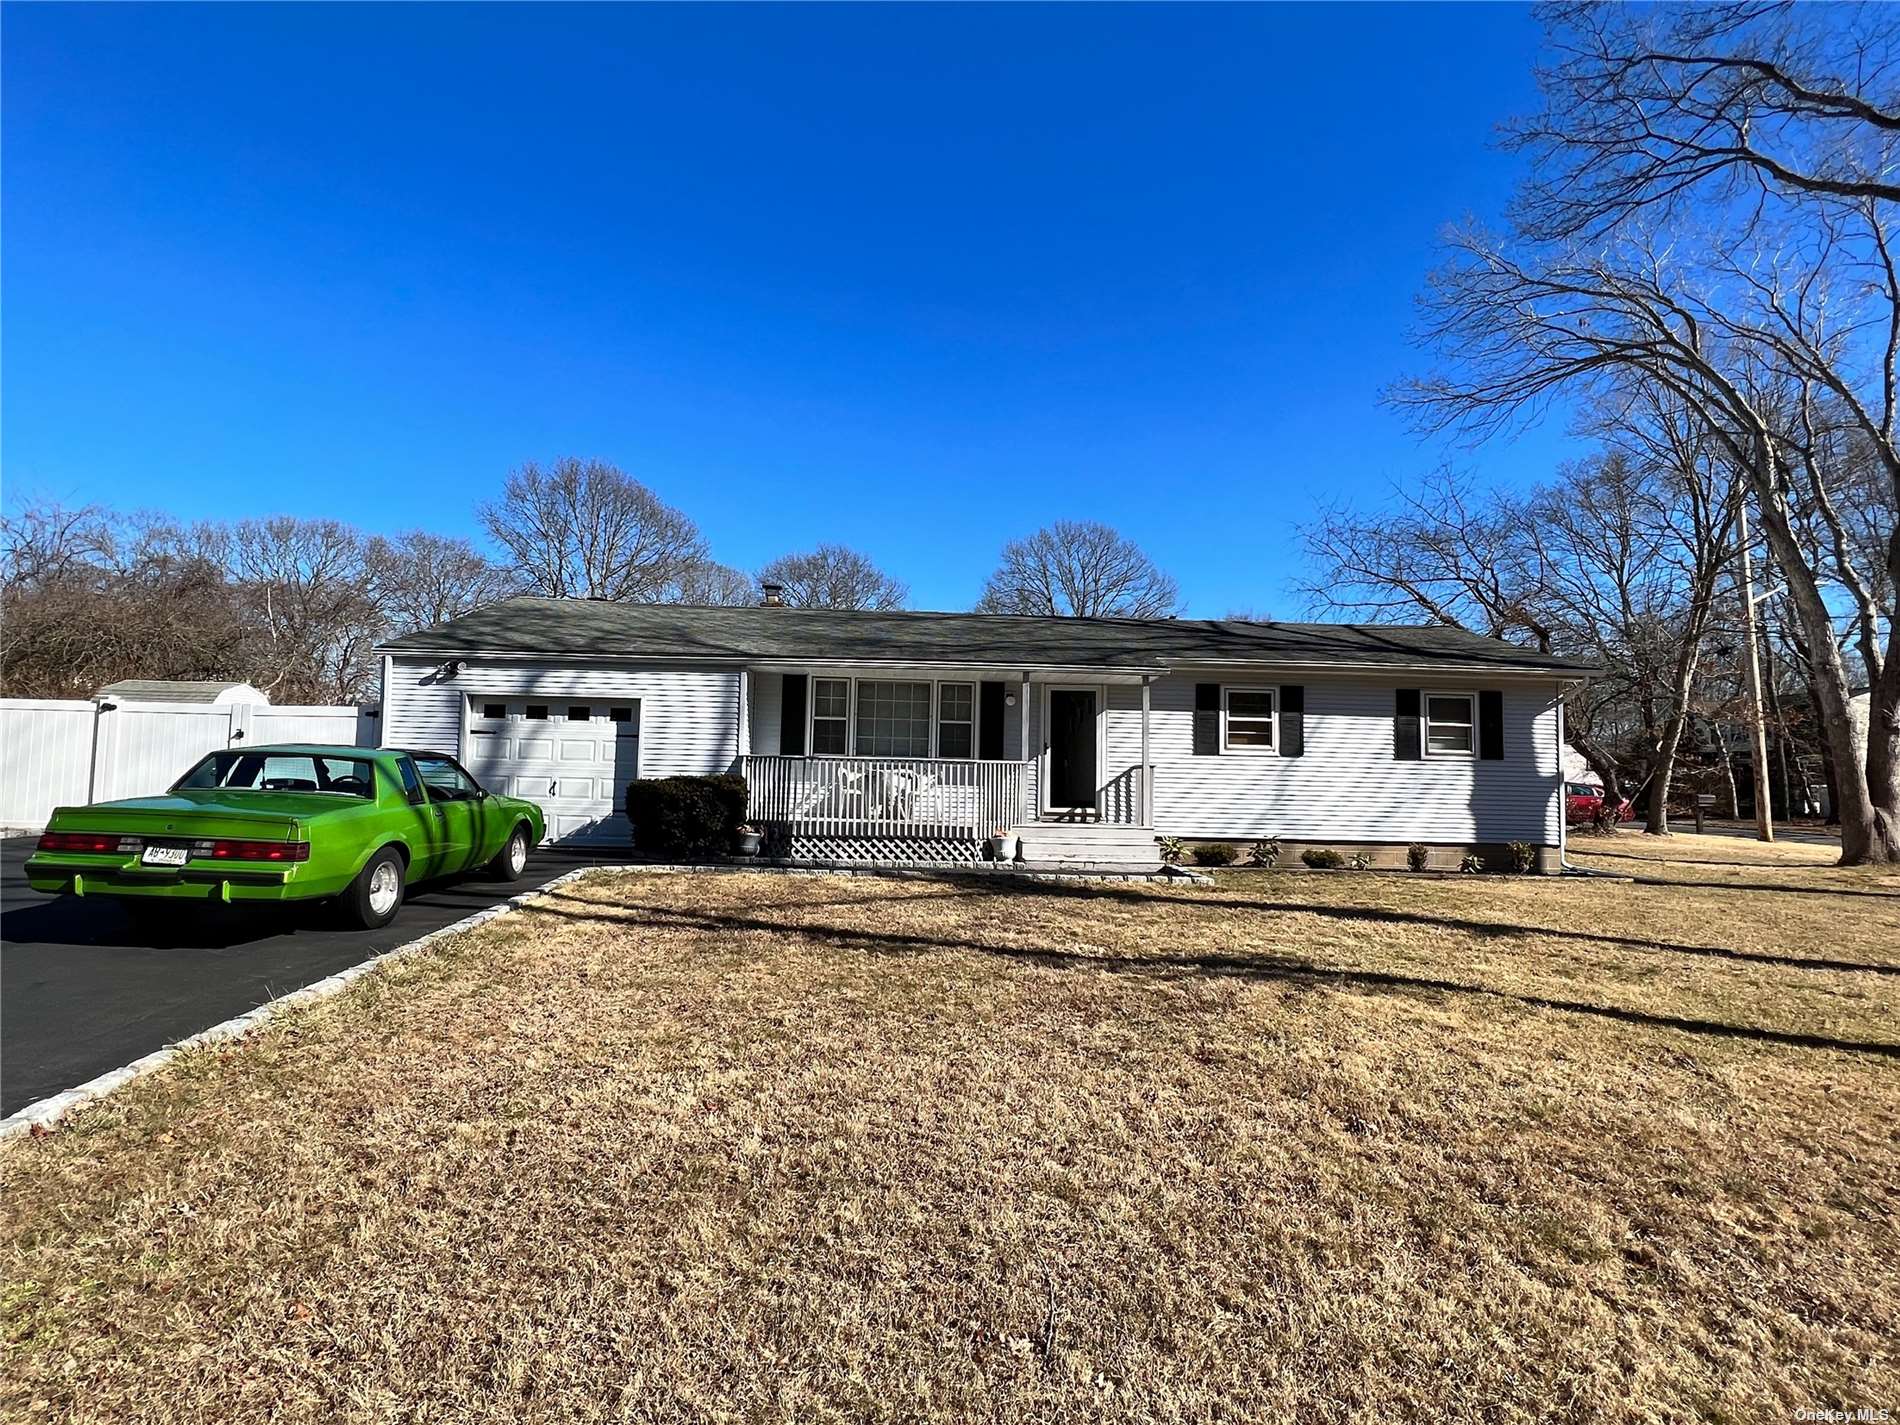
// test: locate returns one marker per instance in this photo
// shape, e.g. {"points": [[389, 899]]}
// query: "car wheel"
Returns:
{"points": [[512, 859], [375, 895]]}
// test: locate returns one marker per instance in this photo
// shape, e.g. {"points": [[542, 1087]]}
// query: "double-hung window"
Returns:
{"points": [[893, 719], [830, 716], [956, 719], [1249, 719], [1450, 725]]}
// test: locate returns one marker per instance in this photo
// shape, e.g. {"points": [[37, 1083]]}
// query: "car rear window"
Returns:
{"points": [[266, 771]]}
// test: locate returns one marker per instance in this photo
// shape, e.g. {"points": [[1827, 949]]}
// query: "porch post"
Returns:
{"points": [[1029, 811], [1147, 788]]}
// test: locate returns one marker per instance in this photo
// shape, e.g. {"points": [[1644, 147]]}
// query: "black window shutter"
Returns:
{"points": [[1292, 720], [1207, 719], [791, 729], [1405, 745], [990, 723], [1491, 726]]}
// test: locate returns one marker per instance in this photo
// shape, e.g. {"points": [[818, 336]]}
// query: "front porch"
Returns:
{"points": [[936, 809]]}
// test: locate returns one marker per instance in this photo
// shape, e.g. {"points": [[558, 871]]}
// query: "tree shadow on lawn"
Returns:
{"points": [[1481, 929], [1264, 968]]}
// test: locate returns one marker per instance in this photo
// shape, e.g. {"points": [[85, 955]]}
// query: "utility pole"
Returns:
{"points": [[1757, 728]]}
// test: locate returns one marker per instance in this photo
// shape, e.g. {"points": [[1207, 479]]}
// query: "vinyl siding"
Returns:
{"points": [[1348, 786], [689, 719]]}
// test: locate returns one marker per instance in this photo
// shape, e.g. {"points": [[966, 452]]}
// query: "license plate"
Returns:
{"points": [[164, 856]]}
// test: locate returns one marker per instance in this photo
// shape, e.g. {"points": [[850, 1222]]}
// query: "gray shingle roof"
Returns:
{"points": [[167, 690], [591, 628]]}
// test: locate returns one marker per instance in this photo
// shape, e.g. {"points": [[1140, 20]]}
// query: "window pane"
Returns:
{"points": [[827, 737], [445, 780], [580, 714], [1249, 732], [830, 697], [893, 719], [1241, 703], [620, 714], [1449, 739], [1449, 709], [537, 712], [956, 730], [494, 710]]}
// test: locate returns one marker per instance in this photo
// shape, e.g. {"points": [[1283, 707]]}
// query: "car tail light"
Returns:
{"points": [[252, 850], [95, 841]]}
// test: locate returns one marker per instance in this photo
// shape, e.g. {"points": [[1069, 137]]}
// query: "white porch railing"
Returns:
{"points": [[885, 796]]}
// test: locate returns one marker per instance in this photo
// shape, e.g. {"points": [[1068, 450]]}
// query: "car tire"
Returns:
{"points": [[375, 895], [512, 859]]}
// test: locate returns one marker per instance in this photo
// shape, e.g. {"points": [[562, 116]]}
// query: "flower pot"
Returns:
{"points": [[749, 843], [1004, 848]]}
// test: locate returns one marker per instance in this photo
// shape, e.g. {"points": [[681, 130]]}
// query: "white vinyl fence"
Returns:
{"points": [[59, 753]]}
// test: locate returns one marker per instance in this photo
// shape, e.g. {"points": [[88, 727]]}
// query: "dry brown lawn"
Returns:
{"points": [[770, 1148]]}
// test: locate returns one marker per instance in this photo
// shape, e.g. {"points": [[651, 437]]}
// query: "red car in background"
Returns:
{"points": [[1585, 801]]}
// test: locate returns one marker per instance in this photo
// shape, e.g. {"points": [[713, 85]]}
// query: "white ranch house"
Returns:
{"points": [[916, 736]]}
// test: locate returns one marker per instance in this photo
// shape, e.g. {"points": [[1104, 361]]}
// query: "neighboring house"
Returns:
{"points": [[174, 690], [917, 735]]}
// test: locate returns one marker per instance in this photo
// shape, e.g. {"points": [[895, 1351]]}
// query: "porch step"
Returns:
{"points": [[1088, 843]]}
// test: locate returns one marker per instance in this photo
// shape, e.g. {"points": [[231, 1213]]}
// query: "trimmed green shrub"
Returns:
{"points": [[1216, 853], [1323, 858], [686, 816], [1418, 856]]}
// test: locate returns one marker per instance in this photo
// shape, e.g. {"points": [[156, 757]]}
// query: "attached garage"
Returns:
{"points": [[575, 758]]}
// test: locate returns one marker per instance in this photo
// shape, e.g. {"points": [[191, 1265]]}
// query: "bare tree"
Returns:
{"points": [[1652, 109], [44, 542], [1447, 551], [1079, 568], [586, 529], [88, 598], [1516, 332], [1731, 169], [418, 580], [305, 590], [711, 583], [834, 577]]}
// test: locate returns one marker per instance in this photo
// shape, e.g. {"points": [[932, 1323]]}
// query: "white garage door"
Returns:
{"points": [[574, 758]]}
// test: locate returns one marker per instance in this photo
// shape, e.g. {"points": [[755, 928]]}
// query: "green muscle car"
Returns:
{"points": [[293, 823]]}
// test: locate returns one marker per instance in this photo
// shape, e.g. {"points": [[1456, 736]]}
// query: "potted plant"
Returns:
{"points": [[749, 839], [1005, 844]]}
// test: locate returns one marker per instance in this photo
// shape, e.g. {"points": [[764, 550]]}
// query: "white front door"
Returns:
{"points": [[572, 756]]}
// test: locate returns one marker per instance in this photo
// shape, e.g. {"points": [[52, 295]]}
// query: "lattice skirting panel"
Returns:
{"points": [[946, 851]]}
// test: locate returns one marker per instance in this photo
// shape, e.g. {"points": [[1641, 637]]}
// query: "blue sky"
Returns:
{"points": [[914, 278]]}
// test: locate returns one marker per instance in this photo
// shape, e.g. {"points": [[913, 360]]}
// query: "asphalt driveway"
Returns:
{"points": [[83, 989]]}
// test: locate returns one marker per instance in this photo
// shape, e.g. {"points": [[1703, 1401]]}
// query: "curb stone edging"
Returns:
{"points": [[44, 1113]]}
